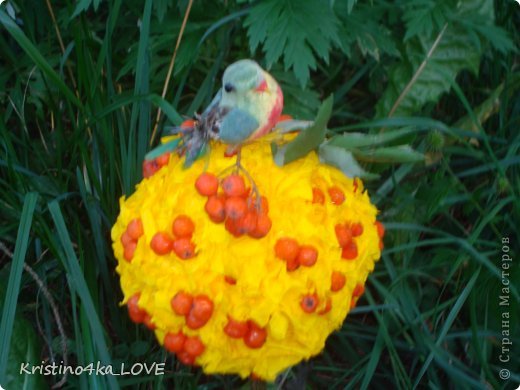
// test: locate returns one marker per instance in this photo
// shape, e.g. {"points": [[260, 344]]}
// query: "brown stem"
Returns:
{"points": [[54, 308], [170, 68]]}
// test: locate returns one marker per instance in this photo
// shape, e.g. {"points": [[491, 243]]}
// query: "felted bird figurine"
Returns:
{"points": [[246, 107]]}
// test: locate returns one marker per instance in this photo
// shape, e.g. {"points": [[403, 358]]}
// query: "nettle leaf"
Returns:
{"points": [[427, 68], [497, 36], [363, 27], [426, 16], [432, 60], [298, 30], [308, 139]]}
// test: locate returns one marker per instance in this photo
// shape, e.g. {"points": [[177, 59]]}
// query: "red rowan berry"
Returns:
{"points": [[161, 243], [207, 184]]}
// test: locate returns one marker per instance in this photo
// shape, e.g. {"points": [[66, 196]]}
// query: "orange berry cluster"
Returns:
{"points": [[253, 335], [186, 348], [129, 238], [345, 233], [337, 196], [294, 254], [137, 315], [152, 166], [182, 228], [240, 212], [197, 310]]}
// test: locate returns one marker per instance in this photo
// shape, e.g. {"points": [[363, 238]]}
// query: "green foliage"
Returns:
{"points": [[75, 125], [300, 30], [344, 160], [307, 140], [442, 39], [13, 287], [84, 5], [363, 29], [25, 350]]}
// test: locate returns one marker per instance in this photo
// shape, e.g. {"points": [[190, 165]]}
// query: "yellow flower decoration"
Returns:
{"points": [[245, 304]]}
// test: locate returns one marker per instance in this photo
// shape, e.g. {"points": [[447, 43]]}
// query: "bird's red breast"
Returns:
{"points": [[274, 115]]}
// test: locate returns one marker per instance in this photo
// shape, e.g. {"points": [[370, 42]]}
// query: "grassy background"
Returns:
{"points": [[76, 120]]}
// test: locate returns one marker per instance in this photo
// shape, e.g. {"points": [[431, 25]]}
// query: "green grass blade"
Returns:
{"points": [[36, 56], [452, 316], [167, 109], [15, 277], [70, 262]]}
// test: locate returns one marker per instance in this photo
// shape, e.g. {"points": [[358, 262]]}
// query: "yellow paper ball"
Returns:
{"points": [[286, 313]]}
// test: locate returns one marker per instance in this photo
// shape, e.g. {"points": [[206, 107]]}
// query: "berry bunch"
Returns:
{"points": [[294, 254], [182, 228], [253, 335], [241, 211], [152, 166], [186, 348], [134, 230], [197, 310], [138, 315], [345, 234]]}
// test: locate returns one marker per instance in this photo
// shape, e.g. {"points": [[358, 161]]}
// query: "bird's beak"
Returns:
{"points": [[262, 87]]}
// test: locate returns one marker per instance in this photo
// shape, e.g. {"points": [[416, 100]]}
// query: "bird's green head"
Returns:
{"points": [[240, 78]]}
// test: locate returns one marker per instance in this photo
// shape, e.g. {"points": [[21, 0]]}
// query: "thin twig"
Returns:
{"points": [[54, 308], [62, 46], [69, 69], [170, 68], [418, 72]]}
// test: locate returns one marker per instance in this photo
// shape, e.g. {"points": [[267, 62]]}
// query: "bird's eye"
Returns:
{"points": [[229, 87]]}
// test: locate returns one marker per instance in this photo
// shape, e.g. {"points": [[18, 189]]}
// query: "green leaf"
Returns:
{"points": [[452, 316], [433, 56], [169, 146], [25, 349], [487, 108], [77, 280], [497, 36], [298, 30], [425, 16], [15, 277], [364, 26], [168, 110], [35, 55], [81, 6], [425, 73], [350, 5], [343, 160], [308, 139], [356, 140], [392, 154]]}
